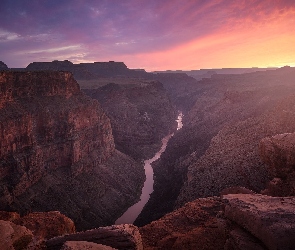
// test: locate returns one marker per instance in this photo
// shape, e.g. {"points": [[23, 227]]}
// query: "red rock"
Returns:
{"points": [[57, 151], [14, 236], [9, 216], [46, 225], [193, 226], [84, 245]]}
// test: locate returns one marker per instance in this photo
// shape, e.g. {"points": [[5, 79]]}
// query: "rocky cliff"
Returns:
{"points": [[278, 153], [141, 114], [57, 151], [218, 145], [234, 221]]}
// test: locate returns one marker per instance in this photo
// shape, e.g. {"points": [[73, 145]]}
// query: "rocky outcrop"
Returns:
{"points": [[3, 66], [194, 226], [235, 221], [57, 151], [80, 245], [269, 219], [46, 225], [217, 147], [278, 153], [33, 229], [124, 236], [141, 115], [14, 236]]}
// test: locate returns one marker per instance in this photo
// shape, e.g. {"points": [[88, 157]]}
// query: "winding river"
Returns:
{"points": [[132, 212]]}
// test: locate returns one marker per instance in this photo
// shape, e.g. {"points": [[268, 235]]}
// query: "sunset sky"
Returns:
{"points": [[149, 34]]}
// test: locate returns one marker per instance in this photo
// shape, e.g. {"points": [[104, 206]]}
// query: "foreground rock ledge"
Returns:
{"points": [[124, 236], [270, 219]]}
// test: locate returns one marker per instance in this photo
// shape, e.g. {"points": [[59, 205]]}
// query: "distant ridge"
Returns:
{"points": [[88, 70]]}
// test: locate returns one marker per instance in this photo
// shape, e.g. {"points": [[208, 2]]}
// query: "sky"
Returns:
{"points": [[149, 34]]}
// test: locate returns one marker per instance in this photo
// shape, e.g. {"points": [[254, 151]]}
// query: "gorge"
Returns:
{"points": [[132, 212], [77, 147]]}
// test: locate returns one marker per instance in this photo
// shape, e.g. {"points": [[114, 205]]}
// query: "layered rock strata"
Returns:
{"points": [[57, 151]]}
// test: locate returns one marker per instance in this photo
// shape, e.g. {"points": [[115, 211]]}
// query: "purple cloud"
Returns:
{"points": [[35, 30]]}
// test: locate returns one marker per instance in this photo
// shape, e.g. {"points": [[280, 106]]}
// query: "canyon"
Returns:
{"points": [[227, 172]]}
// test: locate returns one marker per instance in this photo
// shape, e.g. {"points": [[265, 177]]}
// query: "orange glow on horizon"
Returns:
{"points": [[249, 44]]}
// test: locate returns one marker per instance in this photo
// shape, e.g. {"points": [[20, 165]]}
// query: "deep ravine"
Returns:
{"points": [[132, 212]]}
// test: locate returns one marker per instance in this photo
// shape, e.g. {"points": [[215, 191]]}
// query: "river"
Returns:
{"points": [[132, 212]]}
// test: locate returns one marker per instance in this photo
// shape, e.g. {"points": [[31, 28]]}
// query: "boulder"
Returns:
{"points": [[270, 219], [79, 245], [14, 236]]}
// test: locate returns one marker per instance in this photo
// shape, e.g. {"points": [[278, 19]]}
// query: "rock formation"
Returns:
{"points": [[278, 153], [46, 225], [53, 230], [81, 245], [57, 151], [194, 226], [13, 236], [271, 220], [235, 221], [141, 115]]}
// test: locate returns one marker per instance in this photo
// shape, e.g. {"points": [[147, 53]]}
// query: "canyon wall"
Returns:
{"points": [[57, 151], [141, 114]]}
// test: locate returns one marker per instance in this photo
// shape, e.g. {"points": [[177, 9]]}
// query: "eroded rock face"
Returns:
{"points": [[278, 153], [193, 226], [141, 115], [57, 151], [270, 219]]}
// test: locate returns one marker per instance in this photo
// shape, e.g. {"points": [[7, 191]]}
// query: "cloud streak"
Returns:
{"points": [[141, 32]]}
